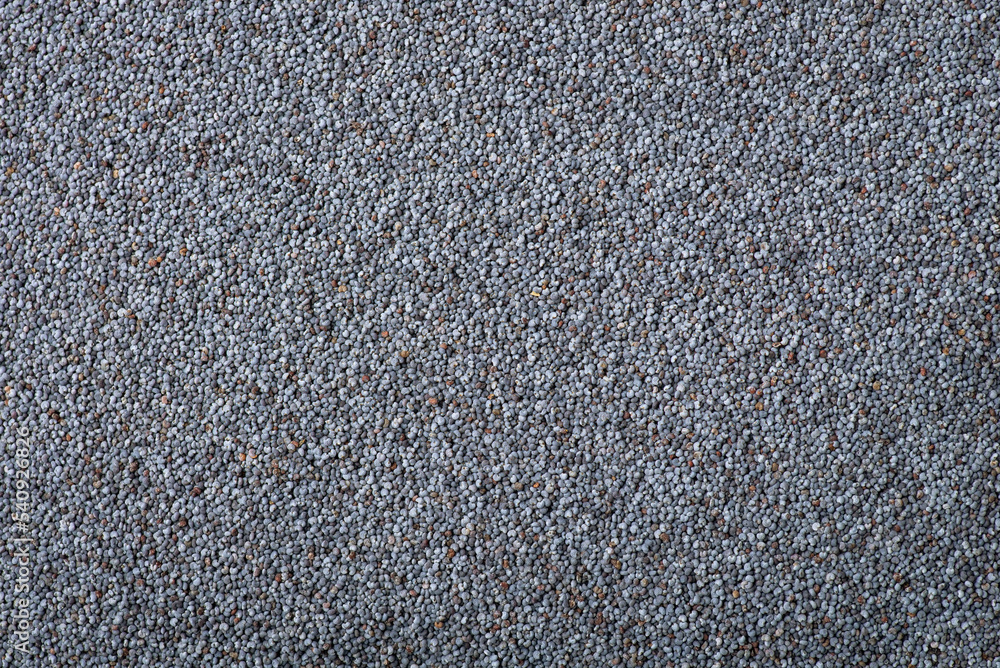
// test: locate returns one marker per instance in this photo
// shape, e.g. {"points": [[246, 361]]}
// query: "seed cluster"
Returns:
{"points": [[496, 334]]}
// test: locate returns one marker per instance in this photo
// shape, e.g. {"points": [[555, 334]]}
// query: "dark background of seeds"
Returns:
{"points": [[477, 334]]}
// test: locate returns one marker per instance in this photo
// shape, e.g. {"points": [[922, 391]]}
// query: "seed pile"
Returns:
{"points": [[545, 334]]}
